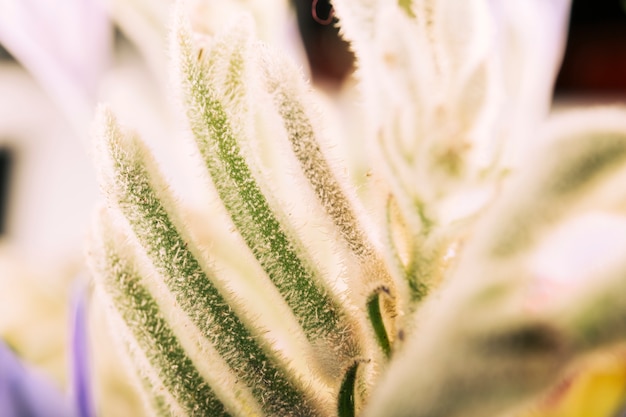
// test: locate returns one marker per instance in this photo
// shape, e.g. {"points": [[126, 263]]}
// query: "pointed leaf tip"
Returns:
{"points": [[377, 321], [346, 404]]}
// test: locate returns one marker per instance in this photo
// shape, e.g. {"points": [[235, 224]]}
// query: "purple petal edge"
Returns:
{"points": [[81, 382], [24, 392]]}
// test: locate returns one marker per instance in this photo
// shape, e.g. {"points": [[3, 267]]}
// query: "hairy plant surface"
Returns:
{"points": [[298, 307]]}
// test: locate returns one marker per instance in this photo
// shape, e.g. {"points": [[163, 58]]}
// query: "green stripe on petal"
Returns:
{"points": [[152, 334], [215, 125], [135, 187], [288, 91]]}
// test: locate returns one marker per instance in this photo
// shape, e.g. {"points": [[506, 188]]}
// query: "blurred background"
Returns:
{"points": [[594, 64], [55, 65]]}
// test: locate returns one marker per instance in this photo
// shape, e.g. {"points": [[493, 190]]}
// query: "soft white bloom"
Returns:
{"points": [[65, 46]]}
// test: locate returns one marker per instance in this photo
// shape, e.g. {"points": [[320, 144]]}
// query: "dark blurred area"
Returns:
{"points": [[594, 61], [5, 55], [595, 57], [329, 56], [6, 163]]}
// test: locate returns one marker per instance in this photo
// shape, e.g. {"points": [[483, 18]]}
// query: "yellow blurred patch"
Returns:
{"points": [[596, 388]]}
